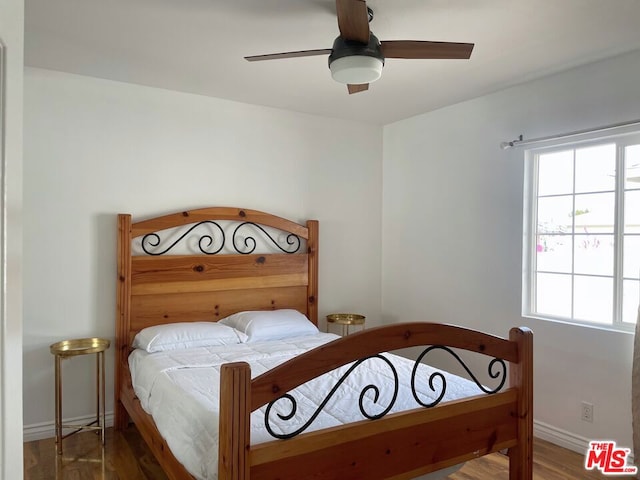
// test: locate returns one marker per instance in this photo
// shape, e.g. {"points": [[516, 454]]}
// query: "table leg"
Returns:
{"points": [[58, 396], [103, 397], [98, 389]]}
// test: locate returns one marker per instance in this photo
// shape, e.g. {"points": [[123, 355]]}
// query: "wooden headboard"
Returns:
{"points": [[225, 276]]}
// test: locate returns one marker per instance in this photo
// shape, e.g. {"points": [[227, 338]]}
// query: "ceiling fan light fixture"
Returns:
{"points": [[357, 56], [356, 69]]}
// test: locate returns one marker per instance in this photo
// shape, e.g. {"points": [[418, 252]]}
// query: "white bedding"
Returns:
{"points": [[179, 389]]}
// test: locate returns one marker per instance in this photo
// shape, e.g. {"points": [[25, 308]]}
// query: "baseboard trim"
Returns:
{"points": [[568, 440], [38, 431], [560, 437]]}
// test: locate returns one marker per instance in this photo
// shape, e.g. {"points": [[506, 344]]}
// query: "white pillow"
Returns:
{"points": [[270, 324], [171, 336]]}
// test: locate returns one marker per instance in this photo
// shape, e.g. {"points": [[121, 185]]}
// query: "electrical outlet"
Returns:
{"points": [[586, 412]]}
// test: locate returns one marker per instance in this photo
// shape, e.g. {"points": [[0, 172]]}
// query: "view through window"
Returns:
{"points": [[582, 248]]}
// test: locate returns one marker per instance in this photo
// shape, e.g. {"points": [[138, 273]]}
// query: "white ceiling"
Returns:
{"points": [[198, 46]]}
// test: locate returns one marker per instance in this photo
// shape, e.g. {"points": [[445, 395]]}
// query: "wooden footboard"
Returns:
{"points": [[398, 446]]}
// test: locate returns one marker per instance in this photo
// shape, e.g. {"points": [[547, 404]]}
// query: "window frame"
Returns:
{"points": [[622, 137]]}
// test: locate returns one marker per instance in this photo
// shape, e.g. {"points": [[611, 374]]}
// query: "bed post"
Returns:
{"points": [[123, 320], [521, 377], [312, 288], [235, 414]]}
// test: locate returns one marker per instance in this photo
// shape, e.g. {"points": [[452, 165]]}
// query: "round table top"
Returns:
{"points": [[346, 318], [79, 346]]}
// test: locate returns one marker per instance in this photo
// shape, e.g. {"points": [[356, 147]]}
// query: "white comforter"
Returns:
{"points": [[180, 389]]}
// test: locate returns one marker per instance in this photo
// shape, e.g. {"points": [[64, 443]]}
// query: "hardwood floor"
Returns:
{"points": [[126, 457]]}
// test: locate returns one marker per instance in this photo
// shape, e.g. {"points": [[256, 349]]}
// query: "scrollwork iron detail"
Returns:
{"points": [[212, 243], [153, 240], [501, 374], [250, 242], [371, 387]]}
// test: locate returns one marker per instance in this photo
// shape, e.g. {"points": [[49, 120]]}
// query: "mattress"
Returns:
{"points": [[180, 390]]}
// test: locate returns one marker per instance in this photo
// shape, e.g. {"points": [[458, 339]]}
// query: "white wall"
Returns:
{"points": [[95, 148], [452, 235], [11, 37]]}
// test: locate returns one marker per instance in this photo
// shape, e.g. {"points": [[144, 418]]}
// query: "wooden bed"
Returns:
{"points": [[157, 289]]}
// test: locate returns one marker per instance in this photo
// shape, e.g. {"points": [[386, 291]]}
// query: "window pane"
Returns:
{"points": [[554, 214], [586, 262], [553, 253], [593, 299], [593, 254], [555, 173], [595, 213], [630, 301], [632, 162], [596, 168], [631, 257], [632, 211], [553, 294]]}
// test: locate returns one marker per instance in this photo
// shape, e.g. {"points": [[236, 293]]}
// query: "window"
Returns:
{"points": [[582, 232]]}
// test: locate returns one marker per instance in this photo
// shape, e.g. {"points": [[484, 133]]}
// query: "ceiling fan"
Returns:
{"points": [[357, 56]]}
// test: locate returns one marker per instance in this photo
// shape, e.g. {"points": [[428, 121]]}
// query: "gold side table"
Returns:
{"points": [[72, 348], [346, 320]]}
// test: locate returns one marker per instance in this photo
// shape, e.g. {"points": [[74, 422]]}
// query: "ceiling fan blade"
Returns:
{"points": [[301, 53], [357, 88], [420, 49], [353, 20]]}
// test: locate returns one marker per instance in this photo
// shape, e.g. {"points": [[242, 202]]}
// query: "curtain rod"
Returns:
{"points": [[519, 142]]}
